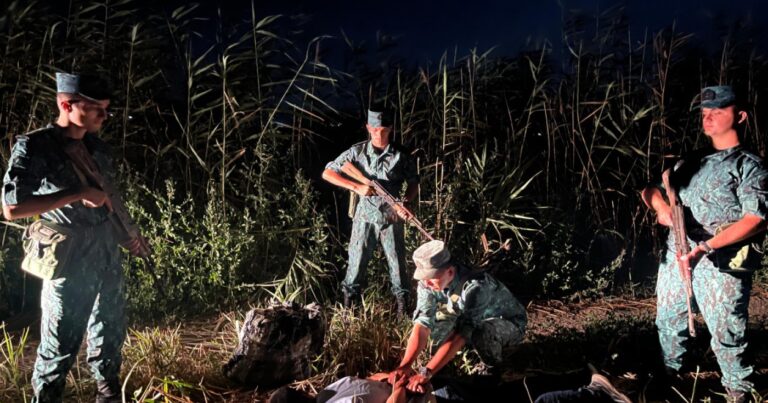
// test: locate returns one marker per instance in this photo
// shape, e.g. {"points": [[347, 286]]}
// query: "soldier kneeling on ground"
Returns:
{"points": [[457, 306]]}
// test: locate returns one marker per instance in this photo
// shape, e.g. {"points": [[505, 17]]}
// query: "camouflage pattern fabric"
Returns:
{"points": [[39, 166], [88, 293], [391, 168], [716, 189], [479, 308], [374, 220], [362, 243], [722, 299]]}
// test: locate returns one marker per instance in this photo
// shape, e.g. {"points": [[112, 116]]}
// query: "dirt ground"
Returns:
{"points": [[615, 335]]}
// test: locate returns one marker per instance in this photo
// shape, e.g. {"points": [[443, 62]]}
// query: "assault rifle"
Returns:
{"points": [[682, 247], [353, 172], [122, 222]]}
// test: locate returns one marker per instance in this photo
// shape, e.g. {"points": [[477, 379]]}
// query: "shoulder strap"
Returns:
{"points": [[79, 173]]}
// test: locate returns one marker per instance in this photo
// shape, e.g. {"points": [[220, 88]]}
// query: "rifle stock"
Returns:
{"points": [[353, 172], [682, 247]]}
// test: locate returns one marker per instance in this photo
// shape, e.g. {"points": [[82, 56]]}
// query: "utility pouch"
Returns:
{"points": [[742, 257], [354, 198], [47, 249]]}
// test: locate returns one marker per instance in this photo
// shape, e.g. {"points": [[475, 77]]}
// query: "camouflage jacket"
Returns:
{"points": [[39, 166], [718, 188], [469, 299], [391, 168]]}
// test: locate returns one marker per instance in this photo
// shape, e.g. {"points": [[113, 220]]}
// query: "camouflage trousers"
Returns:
{"points": [[362, 243], [722, 299], [88, 295], [494, 339]]}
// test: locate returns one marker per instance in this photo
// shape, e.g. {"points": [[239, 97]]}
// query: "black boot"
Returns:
{"points": [[351, 300], [661, 383], [108, 392]]}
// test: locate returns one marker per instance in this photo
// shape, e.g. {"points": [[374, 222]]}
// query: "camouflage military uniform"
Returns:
{"points": [[716, 189], [374, 221], [88, 292], [479, 308]]}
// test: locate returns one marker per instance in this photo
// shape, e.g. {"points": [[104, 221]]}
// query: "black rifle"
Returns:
{"points": [[353, 172]]}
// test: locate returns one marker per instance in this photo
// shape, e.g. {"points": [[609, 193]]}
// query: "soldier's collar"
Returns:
{"points": [[722, 154], [372, 152], [452, 288]]}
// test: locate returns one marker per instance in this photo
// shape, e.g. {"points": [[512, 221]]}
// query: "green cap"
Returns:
{"points": [[430, 258], [379, 118], [718, 96], [90, 86]]}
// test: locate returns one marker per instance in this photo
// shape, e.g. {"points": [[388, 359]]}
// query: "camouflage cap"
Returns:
{"points": [[379, 118], [91, 86], [718, 96], [430, 258]]}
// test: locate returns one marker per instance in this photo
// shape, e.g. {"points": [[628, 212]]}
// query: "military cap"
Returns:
{"points": [[430, 258], [91, 86], [379, 117], [718, 96]]}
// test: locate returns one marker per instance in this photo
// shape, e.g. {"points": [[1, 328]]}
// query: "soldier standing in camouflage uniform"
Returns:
{"points": [[725, 194], [457, 307], [374, 221], [87, 291]]}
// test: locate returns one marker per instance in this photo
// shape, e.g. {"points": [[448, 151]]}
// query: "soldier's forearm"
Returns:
{"points": [[739, 231], [36, 205], [446, 352], [337, 179], [416, 343]]}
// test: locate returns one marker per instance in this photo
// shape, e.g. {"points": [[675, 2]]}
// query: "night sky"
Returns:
{"points": [[423, 30]]}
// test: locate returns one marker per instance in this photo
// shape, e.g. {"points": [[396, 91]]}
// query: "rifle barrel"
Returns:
{"points": [[682, 247]]}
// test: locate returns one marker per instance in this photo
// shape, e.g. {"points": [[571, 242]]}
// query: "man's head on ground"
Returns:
{"points": [[433, 265], [83, 100], [720, 113], [379, 126]]}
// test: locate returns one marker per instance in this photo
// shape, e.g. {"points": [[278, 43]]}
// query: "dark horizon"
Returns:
{"points": [[510, 27], [419, 33]]}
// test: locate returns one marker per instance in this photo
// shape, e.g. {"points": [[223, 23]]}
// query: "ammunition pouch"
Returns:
{"points": [[354, 198], [47, 249], [742, 257]]}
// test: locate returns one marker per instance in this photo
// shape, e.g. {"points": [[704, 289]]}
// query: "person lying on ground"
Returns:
{"points": [[352, 389], [599, 390]]}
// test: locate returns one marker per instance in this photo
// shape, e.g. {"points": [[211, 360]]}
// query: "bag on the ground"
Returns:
{"points": [[277, 345], [47, 248]]}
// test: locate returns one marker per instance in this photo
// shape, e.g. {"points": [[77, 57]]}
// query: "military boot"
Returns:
{"points": [[108, 392]]}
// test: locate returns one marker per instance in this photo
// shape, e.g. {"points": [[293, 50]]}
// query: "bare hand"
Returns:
{"points": [[416, 383], [664, 216], [400, 381], [398, 390], [399, 373], [693, 256], [364, 190], [403, 213], [137, 246], [93, 198]]}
